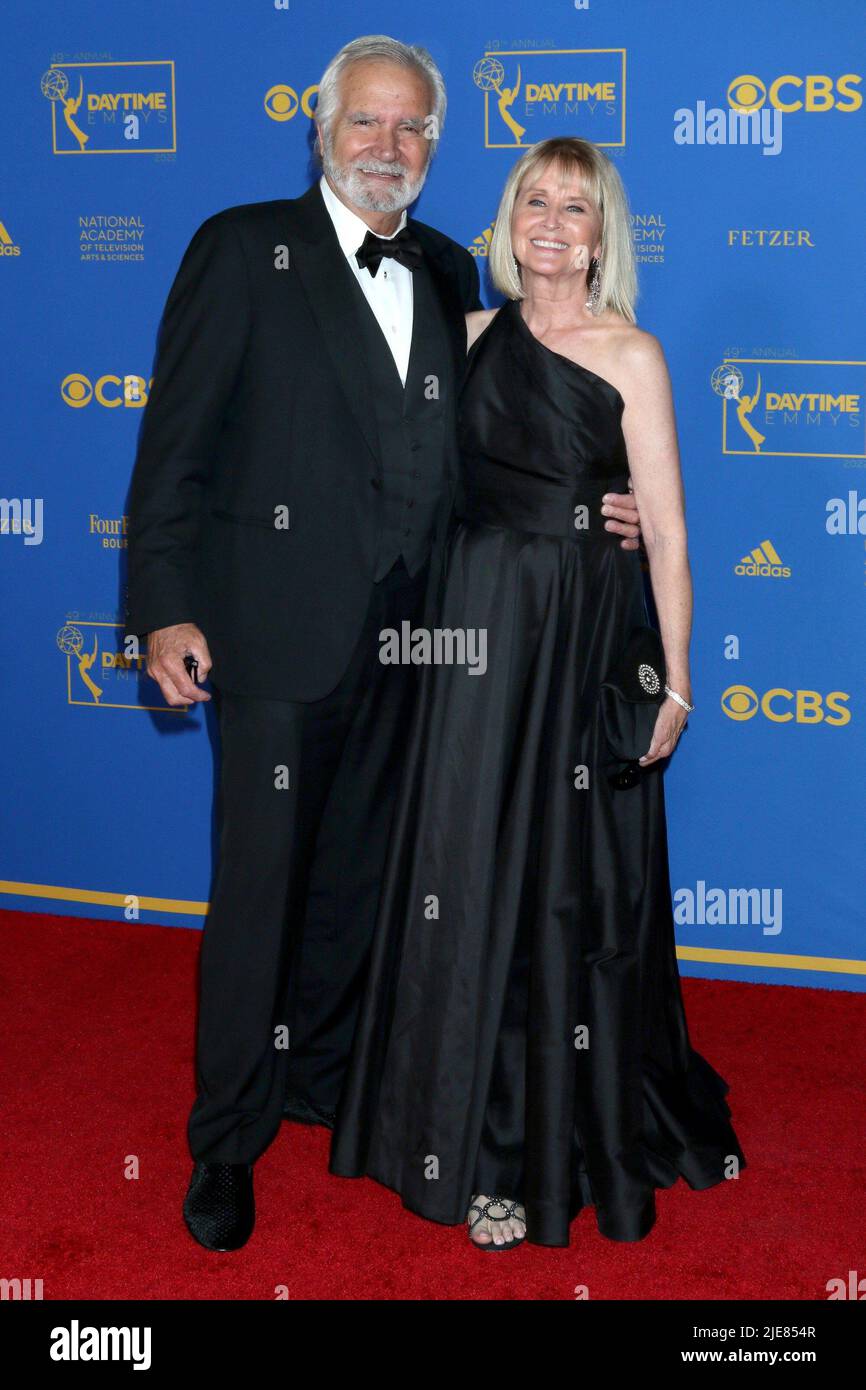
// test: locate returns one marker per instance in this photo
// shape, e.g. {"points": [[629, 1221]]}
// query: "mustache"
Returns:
{"points": [[378, 166]]}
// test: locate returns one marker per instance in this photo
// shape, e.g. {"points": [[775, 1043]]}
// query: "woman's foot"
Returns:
{"points": [[496, 1223]]}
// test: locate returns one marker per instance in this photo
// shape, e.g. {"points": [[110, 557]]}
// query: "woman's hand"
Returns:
{"points": [[668, 726]]}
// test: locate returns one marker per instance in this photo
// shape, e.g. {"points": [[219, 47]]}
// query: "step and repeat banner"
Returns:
{"points": [[739, 134]]}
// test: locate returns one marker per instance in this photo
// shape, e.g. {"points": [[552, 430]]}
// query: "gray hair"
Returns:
{"points": [[389, 50]]}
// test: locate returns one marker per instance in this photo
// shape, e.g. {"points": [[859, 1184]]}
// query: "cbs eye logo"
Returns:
{"points": [[740, 702], [816, 92], [281, 102], [110, 391]]}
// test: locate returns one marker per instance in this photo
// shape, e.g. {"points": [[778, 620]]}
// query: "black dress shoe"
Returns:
{"points": [[299, 1109], [220, 1209]]}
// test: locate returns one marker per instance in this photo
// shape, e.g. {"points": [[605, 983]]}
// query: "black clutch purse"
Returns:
{"points": [[630, 699]]}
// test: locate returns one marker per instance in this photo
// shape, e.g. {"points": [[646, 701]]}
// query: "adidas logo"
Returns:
{"points": [[481, 245], [7, 245], [763, 562]]}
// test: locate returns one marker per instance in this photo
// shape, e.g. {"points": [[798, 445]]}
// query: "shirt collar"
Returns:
{"points": [[350, 228]]}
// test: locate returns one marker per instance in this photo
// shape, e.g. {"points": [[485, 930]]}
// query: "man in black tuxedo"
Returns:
{"points": [[289, 500]]}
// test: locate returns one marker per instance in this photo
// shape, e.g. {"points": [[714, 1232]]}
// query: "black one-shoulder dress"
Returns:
{"points": [[522, 1031]]}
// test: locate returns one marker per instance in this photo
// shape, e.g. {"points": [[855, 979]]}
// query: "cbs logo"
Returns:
{"points": [[813, 93], [281, 102], [740, 702], [108, 390]]}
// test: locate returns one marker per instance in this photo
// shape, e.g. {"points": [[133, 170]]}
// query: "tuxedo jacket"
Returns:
{"points": [[261, 396]]}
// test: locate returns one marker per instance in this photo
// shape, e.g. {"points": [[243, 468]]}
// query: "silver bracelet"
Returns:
{"points": [[679, 699]]}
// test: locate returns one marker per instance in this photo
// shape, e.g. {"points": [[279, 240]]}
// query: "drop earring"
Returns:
{"points": [[594, 280]]}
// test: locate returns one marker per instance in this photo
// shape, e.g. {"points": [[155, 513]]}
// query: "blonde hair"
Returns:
{"points": [[602, 183]]}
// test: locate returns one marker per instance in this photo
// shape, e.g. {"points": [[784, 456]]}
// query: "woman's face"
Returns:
{"points": [[555, 228]]}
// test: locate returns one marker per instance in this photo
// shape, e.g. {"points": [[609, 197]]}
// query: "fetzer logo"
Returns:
{"points": [[7, 245], [112, 108], [764, 562]]}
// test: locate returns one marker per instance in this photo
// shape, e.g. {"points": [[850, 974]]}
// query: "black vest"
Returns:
{"points": [[413, 422]]}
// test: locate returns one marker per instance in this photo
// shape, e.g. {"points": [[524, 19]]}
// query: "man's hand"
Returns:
{"points": [[622, 517], [166, 649]]}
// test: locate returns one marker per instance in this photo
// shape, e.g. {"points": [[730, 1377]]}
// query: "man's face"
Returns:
{"points": [[375, 151]]}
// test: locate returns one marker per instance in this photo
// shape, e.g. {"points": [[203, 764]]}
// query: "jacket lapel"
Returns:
{"points": [[449, 296], [326, 281]]}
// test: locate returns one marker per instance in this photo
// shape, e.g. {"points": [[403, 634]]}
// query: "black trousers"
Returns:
{"points": [[306, 798]]}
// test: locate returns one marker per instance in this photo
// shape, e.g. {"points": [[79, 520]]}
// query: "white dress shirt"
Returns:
{"points": [[389, 293]]}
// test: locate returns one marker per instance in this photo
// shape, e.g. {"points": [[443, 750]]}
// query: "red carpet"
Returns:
{"points": [[98, 1068]]}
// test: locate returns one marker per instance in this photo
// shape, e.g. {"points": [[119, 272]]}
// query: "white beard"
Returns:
{"points": [[351, 182]]}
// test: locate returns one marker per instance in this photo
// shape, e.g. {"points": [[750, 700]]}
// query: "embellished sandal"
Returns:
{"points": [[509, 1211]]}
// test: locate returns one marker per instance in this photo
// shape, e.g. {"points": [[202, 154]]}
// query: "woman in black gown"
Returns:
{"points": [[522, 1038]]}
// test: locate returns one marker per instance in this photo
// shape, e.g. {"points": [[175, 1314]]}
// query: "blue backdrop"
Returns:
{"points": [[125, 128]]}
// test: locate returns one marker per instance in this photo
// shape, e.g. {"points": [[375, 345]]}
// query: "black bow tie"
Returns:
{"points": [[403, 247]]}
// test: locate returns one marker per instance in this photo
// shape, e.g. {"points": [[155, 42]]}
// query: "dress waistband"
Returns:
{"points": [[492, 495]]}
